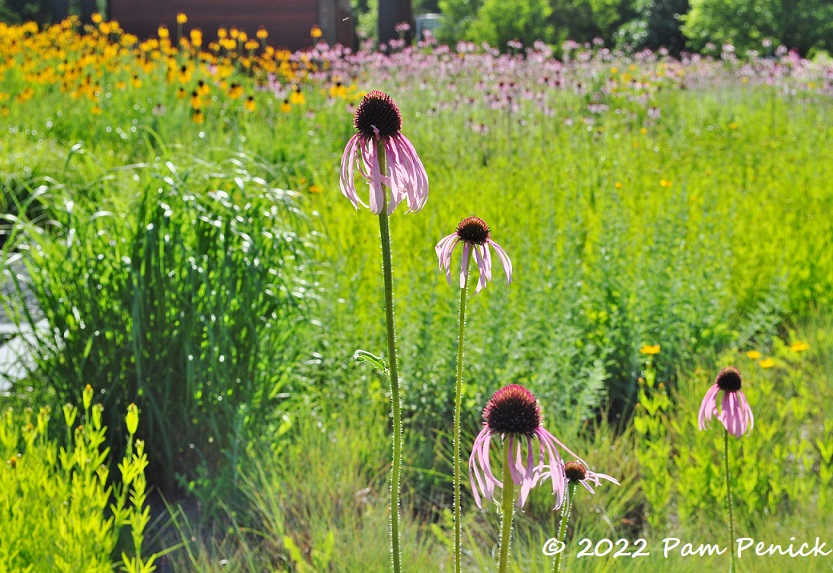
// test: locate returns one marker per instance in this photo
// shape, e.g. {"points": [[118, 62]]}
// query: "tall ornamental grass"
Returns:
{"points": [[181, 295]]}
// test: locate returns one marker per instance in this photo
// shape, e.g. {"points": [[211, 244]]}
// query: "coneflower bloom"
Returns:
{"points": [[377, 120], [476, 236], [513, 414], [577, 472], [735, 413]]}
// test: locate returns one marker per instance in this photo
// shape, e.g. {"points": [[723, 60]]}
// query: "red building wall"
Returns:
{"points": [[287, 21]]}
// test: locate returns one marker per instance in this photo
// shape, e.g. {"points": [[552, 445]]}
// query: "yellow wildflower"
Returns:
{"points": [[753, 354], [799, 346], [767, 363], [650, 349]]}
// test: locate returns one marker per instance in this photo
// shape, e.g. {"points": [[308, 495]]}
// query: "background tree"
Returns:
{"points": [[657, 24], [500, 21], [803, 24], [583, 20]]}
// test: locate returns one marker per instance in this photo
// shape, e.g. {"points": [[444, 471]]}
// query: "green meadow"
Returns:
{"points": [[201, 262]]}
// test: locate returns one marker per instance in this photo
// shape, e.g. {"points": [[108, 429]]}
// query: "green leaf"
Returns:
{"points": [[377, 361]]}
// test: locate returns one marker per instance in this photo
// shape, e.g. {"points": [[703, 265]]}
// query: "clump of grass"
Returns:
{"points": [[185, 307]]}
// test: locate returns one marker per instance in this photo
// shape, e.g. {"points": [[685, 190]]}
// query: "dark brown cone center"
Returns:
{"points": [[513, 410], [575, 471], [377, 112], [473, 230], [729, 379]]}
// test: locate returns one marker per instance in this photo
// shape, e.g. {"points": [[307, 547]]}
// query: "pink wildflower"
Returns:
{"points": [[378, 120], [476, 236], [514, 415], [735, 413]]}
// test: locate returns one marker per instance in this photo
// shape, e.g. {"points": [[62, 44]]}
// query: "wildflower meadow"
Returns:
{"points": [[427, 308]]}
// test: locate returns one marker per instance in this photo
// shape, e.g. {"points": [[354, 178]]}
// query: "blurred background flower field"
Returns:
{"points": [[175, 238]]}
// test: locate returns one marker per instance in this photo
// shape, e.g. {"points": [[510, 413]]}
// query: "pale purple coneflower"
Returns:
{"points": [[577, 472], [513, 414], [378, 124], [476, 236], [735, 413]]}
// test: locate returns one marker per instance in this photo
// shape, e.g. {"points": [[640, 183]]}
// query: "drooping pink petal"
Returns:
{"points": [[528, 477], [513, 458], [504, 259], [481, 265], [444, 249], [708, 407], [476, 473], [464, 269], [543, 434], [347, 181], [413, 172], [750, 419]]}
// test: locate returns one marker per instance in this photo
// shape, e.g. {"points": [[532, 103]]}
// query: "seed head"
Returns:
{"points": [[377, 114], [575, 471], [729, 379], [513, 410], [473, 230]]}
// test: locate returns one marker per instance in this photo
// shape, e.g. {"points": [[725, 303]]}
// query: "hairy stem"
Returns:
{"points": [[729, 503], [562, 529], [507, 512], [395, 399], [458, 396]]}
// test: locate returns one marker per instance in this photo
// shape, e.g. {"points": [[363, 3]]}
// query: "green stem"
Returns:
{"points": [[458, 523], [395, 400], [565, 517], [729, 503], [508, 511]]}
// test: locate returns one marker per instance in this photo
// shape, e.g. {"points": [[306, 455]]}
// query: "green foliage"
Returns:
{"points": [[499, 21], [19, 11], [184, 308], [650, 424], [458, 18], [656, 24], [367, 18], [58, 509], [778, 468], [804, 25]]}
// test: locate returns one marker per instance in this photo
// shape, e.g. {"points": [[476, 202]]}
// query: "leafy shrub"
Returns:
{"points": [[656, 24], [500, 21], [803, 25], [58, 511]]}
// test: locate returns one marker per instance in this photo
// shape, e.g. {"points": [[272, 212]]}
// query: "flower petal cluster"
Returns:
{"points": [[513, 416], [476, 237], [378, 124], [735, 413]]}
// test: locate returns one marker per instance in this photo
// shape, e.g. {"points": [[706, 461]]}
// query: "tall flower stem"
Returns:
{"points": [[562, 529], [507, 513], [395, 400], [458, 396], [729, 502]]}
